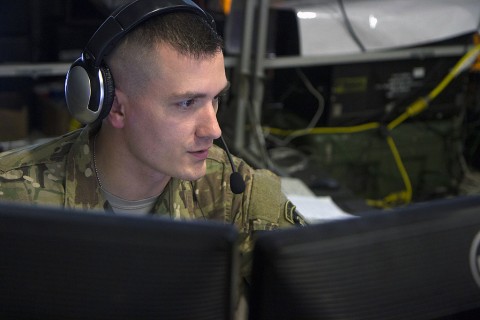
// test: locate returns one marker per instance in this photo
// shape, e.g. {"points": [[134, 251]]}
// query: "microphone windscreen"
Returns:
{"points": [[237, 185]]}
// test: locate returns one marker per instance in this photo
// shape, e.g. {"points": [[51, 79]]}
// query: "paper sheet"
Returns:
{"points": [[316, 209], [313, 208]]}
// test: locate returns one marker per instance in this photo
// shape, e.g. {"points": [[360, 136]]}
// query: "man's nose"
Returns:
{"points": [[208, 123]]}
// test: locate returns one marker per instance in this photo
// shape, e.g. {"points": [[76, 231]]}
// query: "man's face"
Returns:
{"points": [[170, 127]]}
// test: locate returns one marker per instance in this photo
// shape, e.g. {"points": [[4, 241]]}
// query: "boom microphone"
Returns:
{"points": [[237, 185]]}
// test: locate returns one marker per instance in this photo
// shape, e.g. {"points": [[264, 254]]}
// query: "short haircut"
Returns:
{"points": [[189, 34]]}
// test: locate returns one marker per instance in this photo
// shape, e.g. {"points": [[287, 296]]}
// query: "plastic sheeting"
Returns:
{"points": [[351, 26]]}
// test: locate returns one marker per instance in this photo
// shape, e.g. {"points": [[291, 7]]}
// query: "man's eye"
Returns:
{"points": [[186, 103]]}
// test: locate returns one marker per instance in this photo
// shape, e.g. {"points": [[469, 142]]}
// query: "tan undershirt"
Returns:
{"points": [[120, 205]]}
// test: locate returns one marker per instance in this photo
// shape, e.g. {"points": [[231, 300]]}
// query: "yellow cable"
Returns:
{"points": [[412, 110], [415, 108], [422, 103], [322, 130], [461, 65], [396, 198], [401, 167]]}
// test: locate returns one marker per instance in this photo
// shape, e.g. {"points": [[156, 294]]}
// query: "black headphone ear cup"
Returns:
{"points": [[109, 92]]}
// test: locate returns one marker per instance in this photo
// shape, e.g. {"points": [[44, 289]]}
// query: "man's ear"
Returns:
{"points": [[116, 117]]}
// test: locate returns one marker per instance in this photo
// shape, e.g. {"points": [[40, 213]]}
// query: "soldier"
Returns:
{"points": [[153, 92]]}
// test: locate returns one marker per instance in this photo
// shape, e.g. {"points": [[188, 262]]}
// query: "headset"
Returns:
{"points": [[89, 85]]}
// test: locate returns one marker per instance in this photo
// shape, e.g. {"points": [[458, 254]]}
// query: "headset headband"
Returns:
{"points": [[89, 85], [127, 17]]}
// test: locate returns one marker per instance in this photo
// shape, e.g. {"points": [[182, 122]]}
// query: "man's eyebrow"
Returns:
{"points": [[195, 95]]}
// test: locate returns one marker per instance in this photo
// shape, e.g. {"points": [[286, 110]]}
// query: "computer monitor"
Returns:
{"points": [[416, 262], [63, 264]]}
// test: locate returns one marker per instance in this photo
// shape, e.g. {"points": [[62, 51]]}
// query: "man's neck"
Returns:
{"points": [[119, 175]]}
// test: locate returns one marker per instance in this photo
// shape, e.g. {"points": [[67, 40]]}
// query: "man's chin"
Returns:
{"points": [[193, 175]]}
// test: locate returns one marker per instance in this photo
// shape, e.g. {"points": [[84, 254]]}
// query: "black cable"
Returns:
{"points": [[350, 27]]}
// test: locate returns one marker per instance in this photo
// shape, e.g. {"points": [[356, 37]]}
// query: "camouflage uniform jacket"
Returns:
{"points": [[61, 173]]}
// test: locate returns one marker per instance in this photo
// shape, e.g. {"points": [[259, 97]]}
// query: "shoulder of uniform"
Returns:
{"points": [[263, 199], [46, 152], [270, 204]]}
